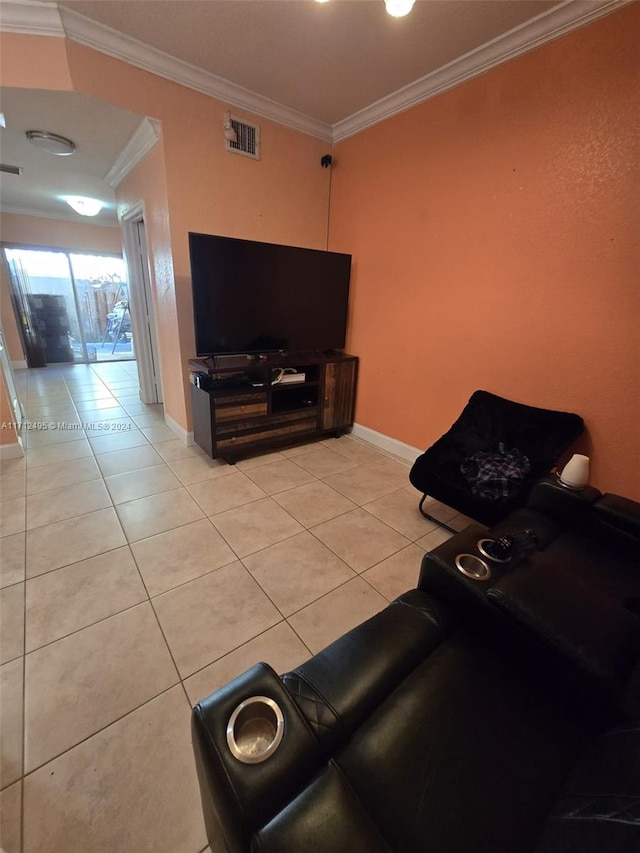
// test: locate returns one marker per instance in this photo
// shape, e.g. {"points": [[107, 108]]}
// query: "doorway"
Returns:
{"points": [[143, 315], [70, 306]]}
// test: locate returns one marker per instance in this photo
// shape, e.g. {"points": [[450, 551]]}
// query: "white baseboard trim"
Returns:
{"points": [[385, 442], [11, 451], [19, 365], [180, 431]]}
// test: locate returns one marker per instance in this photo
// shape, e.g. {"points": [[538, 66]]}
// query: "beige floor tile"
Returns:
{"points": [[12, 516], [363, 483], [433, 539], [129, 459], [38, 456], [73, 540], [12, 466], [12, 559], [131, 787], [224, 493], [96, 404], [13, 485], [11, 691], [399, 510], [314, 503], [255, 526], [83, 682], [91, 394], [197, 467], [181, 555], [354, 449], [117, 441], [153, 419], [45, 478], [72, 598], [397, 573], [140, 484], [439, 511], [175, 449], [258, 459], [279, 646], [337, 612], [156, 434], [300, 449], [69, 502], [148, 516], [51, 437], [360, 539], [297, 571], [460, 522], [279, 476], [10, 818], [212, 615], [11, 622], [323, 462]]}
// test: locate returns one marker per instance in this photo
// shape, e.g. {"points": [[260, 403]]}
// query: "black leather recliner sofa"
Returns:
{"points": [[469, 716]]}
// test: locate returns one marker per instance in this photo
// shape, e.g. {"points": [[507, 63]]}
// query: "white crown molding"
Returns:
{"points": [[107, 40], [30, 18], [27, 16], [142, 140], [550, 25], [66, 217]]}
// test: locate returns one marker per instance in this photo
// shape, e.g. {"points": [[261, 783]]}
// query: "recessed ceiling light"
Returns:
{"points": [[83, 205], [51, 142], [399, 8]]}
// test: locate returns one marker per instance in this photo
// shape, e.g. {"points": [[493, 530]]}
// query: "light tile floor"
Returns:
{"points": [[138, 575]]}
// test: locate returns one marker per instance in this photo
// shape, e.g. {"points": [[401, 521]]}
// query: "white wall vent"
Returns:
{"points": [[247, 137]]}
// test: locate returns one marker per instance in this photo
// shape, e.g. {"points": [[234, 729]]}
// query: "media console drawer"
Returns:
{"points": [[267, 435], [245, 410]]}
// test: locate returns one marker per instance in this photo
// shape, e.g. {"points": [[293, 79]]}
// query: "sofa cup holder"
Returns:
{"points": [[473, 567], [255, 730]]}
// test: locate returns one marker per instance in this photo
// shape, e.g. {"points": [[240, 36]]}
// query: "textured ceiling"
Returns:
{"points": [[325, 60]]}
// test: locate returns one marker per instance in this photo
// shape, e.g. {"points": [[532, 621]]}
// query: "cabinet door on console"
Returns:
{"points": [[339, 394]]}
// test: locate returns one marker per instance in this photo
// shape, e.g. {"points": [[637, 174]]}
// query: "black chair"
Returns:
{"points": [[489, 423]]}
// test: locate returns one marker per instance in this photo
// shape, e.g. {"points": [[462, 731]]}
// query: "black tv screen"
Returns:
{"points": [[253, 297]]}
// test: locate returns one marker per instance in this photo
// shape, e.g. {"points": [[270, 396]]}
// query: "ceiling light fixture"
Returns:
{"points": [[51, 142], [83, 205], [399, 8]]}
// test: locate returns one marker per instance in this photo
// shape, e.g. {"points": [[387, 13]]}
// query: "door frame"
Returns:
{"points": [[141, 303]]}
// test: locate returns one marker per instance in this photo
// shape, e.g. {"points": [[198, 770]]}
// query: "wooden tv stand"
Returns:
{"points": [[236, 409]]}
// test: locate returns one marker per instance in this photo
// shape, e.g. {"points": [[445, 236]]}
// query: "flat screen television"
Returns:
{"points": [[251, 297]]}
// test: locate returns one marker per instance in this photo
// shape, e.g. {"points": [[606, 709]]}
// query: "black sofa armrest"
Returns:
{"points": [[618, 518], [570, 625], [340, 686], [569, 505]]}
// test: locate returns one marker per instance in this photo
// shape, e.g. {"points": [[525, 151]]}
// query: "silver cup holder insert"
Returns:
{"points": [[481, 547], [255, 730], [473, 567]]}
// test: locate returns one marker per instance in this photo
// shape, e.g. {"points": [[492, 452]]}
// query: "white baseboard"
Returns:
{"points": [[181, 433], [11, 451], [19, 365], [385, 442]]}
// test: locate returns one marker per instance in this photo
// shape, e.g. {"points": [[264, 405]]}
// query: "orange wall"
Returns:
{"points": [[8, 434], [495, 243], [147, 183], [42, 232], [283, 197]]}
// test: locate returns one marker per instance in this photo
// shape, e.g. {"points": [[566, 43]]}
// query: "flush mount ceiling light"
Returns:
{"points": [[83, 205], [51, 142], [396, 8], [399, 8]]}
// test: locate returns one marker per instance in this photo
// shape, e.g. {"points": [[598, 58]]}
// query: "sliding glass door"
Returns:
{"points": [[70, 307]]}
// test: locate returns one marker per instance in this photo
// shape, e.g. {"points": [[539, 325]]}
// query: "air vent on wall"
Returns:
{"points": [[247, 138], [10, 170]]}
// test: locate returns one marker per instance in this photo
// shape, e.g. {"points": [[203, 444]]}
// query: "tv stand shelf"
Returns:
{"points": [[236, 409]]}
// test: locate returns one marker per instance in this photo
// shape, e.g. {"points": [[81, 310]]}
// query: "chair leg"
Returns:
{"points": [[431, 518]]}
